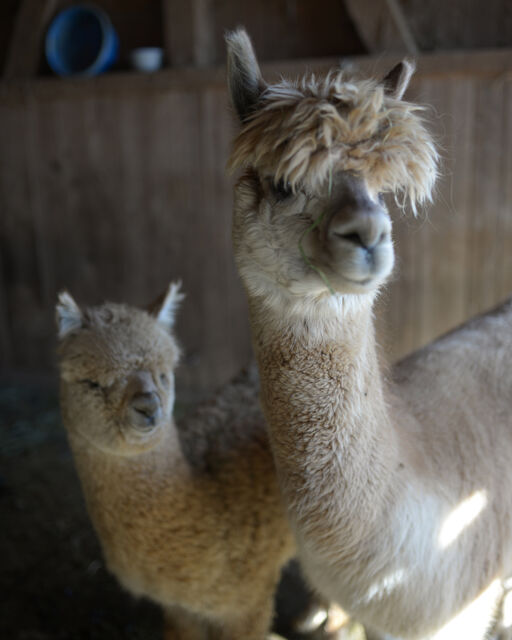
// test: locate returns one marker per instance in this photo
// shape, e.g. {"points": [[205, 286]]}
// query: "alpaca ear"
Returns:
{"points": [[68, 315], [397, 80], [165, 306], [245, 82]]}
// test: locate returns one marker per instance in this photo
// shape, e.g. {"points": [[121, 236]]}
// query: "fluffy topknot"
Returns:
{"points": [[302, 131]]}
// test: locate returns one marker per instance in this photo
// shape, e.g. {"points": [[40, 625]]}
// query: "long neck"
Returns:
{"points": [[322, 395]]}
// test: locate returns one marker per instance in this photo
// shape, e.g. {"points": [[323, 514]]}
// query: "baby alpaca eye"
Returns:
{"points": [[90, 383], [164, 379], [281, 189]]}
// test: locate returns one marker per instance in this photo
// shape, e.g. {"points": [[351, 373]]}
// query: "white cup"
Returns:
{"points": [[147, 59]]}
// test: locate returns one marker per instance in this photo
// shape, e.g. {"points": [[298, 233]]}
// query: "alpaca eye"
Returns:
{"points": [[281, 189], [90, 383], [164, 379]]}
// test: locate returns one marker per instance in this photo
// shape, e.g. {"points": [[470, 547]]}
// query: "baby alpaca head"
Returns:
{"points": [[117, 372], [318, 156]]}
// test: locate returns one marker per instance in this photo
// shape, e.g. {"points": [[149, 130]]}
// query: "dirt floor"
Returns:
{"points": [[53, 581]]}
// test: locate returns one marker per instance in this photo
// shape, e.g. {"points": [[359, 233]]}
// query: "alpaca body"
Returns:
{"points": [[187, 514], [398, 491], [375, 508]]}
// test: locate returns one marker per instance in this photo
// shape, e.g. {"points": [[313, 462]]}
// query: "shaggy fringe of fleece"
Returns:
{"points": [[303, 131]]}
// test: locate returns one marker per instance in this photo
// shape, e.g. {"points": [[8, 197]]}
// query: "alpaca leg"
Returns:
{"points": [[181, 625]]}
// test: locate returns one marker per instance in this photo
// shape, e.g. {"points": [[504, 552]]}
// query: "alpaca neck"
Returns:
{"points": [[323, 398], [96, 466]]}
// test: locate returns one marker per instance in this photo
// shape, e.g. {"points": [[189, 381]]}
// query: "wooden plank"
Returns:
{"points": [[455, 198], [382, 26], [504, 277], [6, 346], [26, 324], [39, 213], [486, 193], [26, 48], [215, 133]]}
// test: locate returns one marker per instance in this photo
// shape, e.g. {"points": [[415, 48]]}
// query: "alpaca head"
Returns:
{"points": [[117, 372], [318, 156]]}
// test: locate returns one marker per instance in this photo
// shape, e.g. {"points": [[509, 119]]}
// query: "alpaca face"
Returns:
{"points": [[318, 155], [336, 236], [117, 376]]}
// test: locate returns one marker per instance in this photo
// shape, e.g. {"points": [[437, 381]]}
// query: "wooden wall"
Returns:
{"points": [[456, 260], [113, 186]]}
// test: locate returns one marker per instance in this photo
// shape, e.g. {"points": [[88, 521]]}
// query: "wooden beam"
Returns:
{"points": [[382, 26], [25, 49], [493, 65]]}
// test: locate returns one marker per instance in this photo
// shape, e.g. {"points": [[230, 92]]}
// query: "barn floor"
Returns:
{"points": [[53, 582]]}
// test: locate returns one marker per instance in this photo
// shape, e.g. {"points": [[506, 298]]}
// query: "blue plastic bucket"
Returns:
{"points": [[81, 41]]}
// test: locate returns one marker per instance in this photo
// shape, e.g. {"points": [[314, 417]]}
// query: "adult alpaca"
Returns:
{"points": [[399, 491]]}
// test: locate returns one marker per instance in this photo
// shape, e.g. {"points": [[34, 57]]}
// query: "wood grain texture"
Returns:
{"points": [[113, 186]]}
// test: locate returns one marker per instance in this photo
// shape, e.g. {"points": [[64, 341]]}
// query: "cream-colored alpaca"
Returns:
{"points": [[188, 515], [399, 491]]}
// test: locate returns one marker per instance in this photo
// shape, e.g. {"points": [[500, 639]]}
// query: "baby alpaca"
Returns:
{"points": [[189, 515]]}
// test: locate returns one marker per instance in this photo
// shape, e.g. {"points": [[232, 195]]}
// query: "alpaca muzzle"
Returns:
{"points": [[146, 409], [356, 236], [354, 218], [143, 401], [365, 227]]}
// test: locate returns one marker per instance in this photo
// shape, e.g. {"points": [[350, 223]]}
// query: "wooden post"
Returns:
{"points": [[382, 26], [188, 33], [25, 49]]}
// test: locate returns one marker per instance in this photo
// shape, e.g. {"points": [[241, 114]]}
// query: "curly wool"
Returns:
{"points": [[302, 131]]}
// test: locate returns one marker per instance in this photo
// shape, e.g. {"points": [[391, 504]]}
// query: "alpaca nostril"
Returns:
{"points": [[359, 241], [354, 238], [366, 231]]}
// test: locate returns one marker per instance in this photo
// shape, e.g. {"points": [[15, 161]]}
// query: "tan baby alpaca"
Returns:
{"points": [[188, 515]]}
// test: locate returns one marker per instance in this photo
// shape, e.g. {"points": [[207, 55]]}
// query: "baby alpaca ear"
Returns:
{"points": [[245, 82], [397, 80], [165, 306], [68, 315]]}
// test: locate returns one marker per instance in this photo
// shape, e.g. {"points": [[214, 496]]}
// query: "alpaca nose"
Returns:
{"points": [[147, 408], [365, 229]]}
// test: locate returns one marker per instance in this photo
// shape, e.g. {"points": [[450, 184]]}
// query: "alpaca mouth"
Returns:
{"points": [[145, 421], [363, 282]]}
